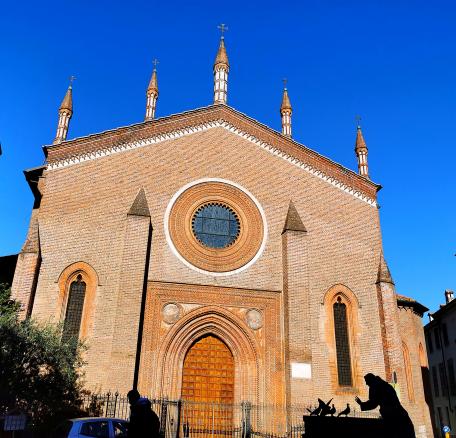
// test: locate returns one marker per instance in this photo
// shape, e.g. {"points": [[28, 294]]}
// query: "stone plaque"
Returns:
{"points": [[171, 313], [301, 370], [254, 319]]}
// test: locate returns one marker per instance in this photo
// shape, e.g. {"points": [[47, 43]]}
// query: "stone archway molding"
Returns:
{"points": [[216, 321], [343, 291]]}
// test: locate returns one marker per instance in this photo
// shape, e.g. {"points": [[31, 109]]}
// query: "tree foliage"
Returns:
{"points": [[39, 374], [7, 305]]}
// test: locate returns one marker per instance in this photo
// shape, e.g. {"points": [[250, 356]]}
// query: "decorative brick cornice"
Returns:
{"points": [[409, 303], [215, 116]]}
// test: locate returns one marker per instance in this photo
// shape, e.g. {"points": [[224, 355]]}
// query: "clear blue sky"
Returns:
{"points": [[392, 62]]}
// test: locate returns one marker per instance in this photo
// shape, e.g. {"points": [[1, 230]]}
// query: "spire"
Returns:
{"points": [[384, 274], [65, 114], [222, 57], [286, 111], [293, 221], [361, 151], [221, 69], [67, 102], [153, 84], [286, 105], [152, 94], [360, 142]]}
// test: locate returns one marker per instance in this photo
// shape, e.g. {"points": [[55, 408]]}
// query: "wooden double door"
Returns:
{"points": [[208, 387]]}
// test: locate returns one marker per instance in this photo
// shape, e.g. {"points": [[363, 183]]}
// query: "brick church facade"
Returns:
{"points": [[206, 256]]}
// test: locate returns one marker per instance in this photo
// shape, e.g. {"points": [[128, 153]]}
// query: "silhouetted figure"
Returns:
{"points": [[332, 411], [345, 412], [143, 420], [381, 393]]}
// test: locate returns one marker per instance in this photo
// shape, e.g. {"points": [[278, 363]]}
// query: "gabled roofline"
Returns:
{"points": [[93, 145], [96, 135]]}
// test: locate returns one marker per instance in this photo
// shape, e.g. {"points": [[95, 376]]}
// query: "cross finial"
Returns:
{"points": [[223, 28], [358, 122], [72, 78], [284, 80], [155, 62]]}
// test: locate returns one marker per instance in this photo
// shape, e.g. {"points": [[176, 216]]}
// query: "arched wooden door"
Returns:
{"points": [[208, 388]]}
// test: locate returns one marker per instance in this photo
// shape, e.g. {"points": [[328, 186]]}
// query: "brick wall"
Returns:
{"points": [[83, 217]]}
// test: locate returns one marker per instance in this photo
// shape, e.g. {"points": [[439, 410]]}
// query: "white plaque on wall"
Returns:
{"points": [[301, 370]]}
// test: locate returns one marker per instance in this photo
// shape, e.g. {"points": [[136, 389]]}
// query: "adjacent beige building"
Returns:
{"points": [[441, 350]]}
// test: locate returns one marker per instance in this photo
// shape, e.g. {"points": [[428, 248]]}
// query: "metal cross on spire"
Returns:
{"points": [[284, 80], [223, 28], [72, 78], [358, 121], [155, 62]]}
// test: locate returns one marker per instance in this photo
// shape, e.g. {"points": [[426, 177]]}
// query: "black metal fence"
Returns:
{"points": [[188, 419]]}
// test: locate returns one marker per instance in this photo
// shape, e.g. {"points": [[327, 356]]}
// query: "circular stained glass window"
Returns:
{"points": [[215, 225]]}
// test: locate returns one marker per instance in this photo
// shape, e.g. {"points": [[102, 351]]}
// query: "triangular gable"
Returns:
{"points": [[167, 128]]}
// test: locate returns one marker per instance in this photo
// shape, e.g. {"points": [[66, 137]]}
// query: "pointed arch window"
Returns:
{"points": [[75, 306], [341, 308], [344, 371], [408, 372]]}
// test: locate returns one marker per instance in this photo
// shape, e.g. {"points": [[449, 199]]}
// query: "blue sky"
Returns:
{"points": [[392, 62]]}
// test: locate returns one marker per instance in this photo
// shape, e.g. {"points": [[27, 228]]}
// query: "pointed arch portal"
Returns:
{"points": [[224, 329]]}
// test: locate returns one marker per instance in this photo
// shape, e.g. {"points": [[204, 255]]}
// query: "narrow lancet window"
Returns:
{"points": [[342, 343], [73, 317], [408, 372]]}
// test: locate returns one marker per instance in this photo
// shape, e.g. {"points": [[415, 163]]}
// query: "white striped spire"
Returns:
{"points": [[152, 94], [65, 114], [221, 69], [361, 152]]}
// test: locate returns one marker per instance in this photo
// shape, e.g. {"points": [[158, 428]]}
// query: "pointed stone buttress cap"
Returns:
{"points": [[384, 274], [293, 221], [139, 206], [32, 243]]}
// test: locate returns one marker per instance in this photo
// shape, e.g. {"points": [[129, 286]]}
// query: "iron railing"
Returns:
{"points": [[189, 419]]}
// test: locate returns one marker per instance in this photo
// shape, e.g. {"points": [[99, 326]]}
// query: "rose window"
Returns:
{"points": [[215, 225]]}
